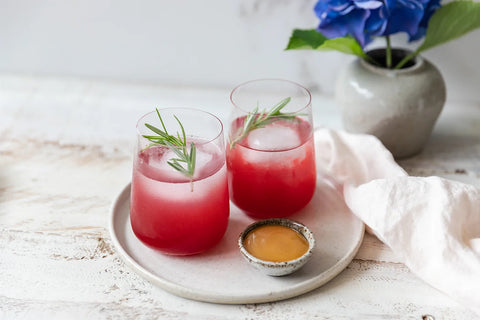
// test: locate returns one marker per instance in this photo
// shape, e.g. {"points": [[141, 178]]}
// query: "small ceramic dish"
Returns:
{"points": [[277, 268]]}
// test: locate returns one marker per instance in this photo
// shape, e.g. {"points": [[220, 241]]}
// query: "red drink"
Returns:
{"points": [[271, 171], [171, 211], [167, 215]]}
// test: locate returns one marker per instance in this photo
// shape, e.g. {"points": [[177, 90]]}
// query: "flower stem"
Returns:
{"points": [[389, 53], [406, 59], [371, 60]]}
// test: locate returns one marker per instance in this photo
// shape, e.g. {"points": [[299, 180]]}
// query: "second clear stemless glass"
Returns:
{"points": [[271, 156], [171, 211]]}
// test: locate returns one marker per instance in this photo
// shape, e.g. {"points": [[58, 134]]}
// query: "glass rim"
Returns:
{"points": [[184, 109], [271, 79]]}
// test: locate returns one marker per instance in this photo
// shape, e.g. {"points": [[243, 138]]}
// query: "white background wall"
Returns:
{"points": [[204, 43]]}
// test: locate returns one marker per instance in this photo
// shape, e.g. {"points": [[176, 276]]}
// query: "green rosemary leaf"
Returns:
{"points": [[193, 157], [176, 144], [175, 165], [249, 120], [276, 109], [176, 149], [161, 121], [183, 131], [156, 130], [147, 147], [150, 137], [255, 120]]}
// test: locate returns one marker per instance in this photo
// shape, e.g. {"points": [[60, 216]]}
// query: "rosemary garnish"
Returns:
{"points": [[178, 144], [255, 119]]}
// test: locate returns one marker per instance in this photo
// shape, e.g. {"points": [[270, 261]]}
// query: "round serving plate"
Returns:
{"points": [[221, 275]]}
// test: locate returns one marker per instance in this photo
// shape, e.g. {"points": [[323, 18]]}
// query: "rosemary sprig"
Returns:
{"points": [[255, 120], [178, 144]]}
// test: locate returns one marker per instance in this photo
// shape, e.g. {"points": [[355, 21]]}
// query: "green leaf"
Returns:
{"points": [[161, 120], [175, 144], [175, 165], [276, 109], [312, 39], [183, 131], [256, 119], [346, 45], [451, 21], [193, 158], [305, 39], [156, 130]]}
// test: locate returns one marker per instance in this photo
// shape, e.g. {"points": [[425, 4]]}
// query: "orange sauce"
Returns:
{"points": [[275, 243]]}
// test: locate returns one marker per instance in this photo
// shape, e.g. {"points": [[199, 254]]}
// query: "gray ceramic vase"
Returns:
{"points": [[400, 107]]}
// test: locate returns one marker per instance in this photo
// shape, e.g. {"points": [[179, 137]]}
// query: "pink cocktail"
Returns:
{"points": [[172, 212], [271, 155]]}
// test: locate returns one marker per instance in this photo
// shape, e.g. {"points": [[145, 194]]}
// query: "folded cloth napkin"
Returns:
{"points": [[432, 224]]}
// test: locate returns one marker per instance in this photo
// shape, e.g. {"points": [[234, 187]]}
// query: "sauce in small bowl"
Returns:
{"points": [[276, 246]]}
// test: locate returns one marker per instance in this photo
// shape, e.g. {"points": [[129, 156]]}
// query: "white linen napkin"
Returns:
{"points": [[432, 224]]}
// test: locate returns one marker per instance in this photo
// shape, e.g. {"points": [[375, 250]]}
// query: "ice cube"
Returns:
{"points": [[273, 137], [272, 145], [162, 169], [202, 162]]}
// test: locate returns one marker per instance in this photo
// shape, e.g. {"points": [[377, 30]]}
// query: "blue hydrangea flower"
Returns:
{"points": [[365, 19]]}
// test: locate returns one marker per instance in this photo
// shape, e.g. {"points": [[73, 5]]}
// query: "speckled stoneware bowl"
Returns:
{"points": [[278, 268]]}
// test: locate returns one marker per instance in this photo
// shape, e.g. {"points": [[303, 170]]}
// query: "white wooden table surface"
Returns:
{"points": [[65, 153]]}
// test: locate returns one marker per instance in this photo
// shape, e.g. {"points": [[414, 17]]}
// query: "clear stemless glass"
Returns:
{"points": [[170, 211], [271, 156]]}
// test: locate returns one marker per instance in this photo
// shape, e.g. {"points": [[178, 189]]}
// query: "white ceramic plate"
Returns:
{"points": [[222, 276]]}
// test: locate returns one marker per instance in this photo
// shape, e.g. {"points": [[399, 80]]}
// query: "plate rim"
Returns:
{"points": [[204, 296]]}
